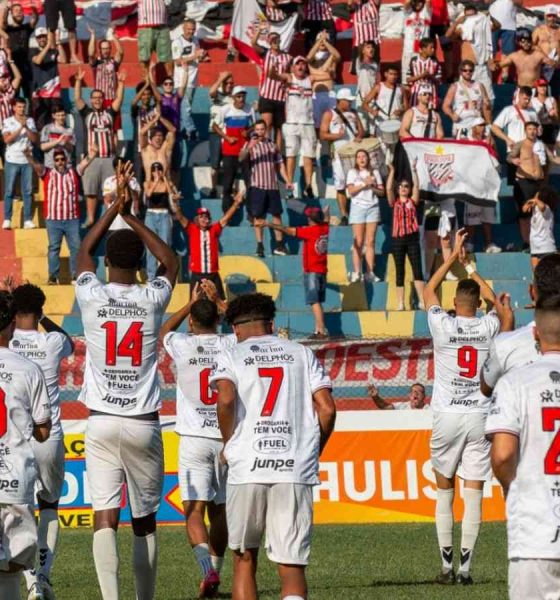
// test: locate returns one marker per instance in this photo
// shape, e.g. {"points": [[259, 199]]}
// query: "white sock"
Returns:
{"points": [[470, 527], [48, 538], [106, 558], [217, 563], [9, 586], [444, 527], [203, 559], [145, 565], [30, 577], [293, 598]]}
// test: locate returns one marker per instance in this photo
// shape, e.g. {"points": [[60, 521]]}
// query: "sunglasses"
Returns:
{"points": [[468, 70], [406, 185], [167, 83], [60, 159], [157, 169]]}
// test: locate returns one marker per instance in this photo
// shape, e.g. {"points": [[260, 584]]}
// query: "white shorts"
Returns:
{"points": [[322, 102], [49, 457], [299, 136], [284, 510], [483, 75], [364, 214], [122, 450], [339, 176], [201, 475], [459, 446], [18, 536], [476, 215], [532, 578]]}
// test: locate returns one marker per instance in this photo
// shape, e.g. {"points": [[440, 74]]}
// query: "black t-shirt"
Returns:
{"points": [[46, 71], [19, 38]]}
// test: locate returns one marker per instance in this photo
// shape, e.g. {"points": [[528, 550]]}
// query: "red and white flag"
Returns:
{"points": [[460, 169], [248, 18]]}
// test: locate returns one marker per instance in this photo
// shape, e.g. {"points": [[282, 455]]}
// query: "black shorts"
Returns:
{"points": [[439, 31], [66, 8], [260, 202], [213, 277], [432, 223], [549, 133], [276, 108], [523, 190]]}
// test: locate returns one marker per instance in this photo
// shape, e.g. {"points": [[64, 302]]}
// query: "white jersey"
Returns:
{"points": [[383, 101], [276, 437], [510, 350], [195, 357], [299, 101], [46, 350], [526, 403], [24, 402], [419, 123], [467, 101], [337, 125], [121, 327], [460, 348], [541, 237]]}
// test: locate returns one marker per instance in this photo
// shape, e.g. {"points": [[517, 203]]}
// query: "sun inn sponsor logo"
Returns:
{"points": [[271, 445], [273, 464], [439, 166]]}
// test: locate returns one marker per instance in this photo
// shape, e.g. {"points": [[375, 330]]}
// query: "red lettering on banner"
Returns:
{"points": [[353, 356], [323, 355], [416, 348], [72, 368], [384, 350]]}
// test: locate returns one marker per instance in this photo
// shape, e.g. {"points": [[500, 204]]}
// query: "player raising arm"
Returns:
{"points": [[523, 427], [202, 477], [518, 348], [47, 350], [25, 413], [276, 413], [458, 445], [121, 322]]}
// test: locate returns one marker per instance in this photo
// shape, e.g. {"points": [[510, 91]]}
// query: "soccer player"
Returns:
{"points": [[522, 424], [276, 413], [458, 446], [47, 350], [121, 322], [518, 348], [202, 476], [25, 413]]}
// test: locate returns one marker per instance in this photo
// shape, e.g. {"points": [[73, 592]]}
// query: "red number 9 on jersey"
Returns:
{"points": [[467, 361]]}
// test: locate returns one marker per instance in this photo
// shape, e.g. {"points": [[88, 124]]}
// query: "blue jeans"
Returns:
{"points": [[11, 172], [187, 122], [160, 223], [56, 230]]}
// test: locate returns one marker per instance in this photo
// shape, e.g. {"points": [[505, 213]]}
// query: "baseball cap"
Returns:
{"points": [[345, 94], [41, 31], [299, 59], [523, 34], [424, 89], [238, 89], [551, 10], [315, 213], [541, 82], [477, 121], [202, 211]]}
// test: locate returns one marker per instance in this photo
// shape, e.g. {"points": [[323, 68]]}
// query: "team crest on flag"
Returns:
{"points": [[439, 166]]}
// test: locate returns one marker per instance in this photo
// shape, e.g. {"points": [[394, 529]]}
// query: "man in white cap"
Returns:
{"points": [[298, 129], [546, 38], [421, 121], [341, 125]]}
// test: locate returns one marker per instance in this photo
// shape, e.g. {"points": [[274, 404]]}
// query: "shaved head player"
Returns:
{"points": [[123, 438]]}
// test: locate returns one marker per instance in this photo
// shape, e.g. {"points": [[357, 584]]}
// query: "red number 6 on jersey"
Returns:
{"points": [[207, 394]]}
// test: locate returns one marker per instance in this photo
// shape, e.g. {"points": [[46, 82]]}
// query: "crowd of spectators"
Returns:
{"points": [[299, 116]]}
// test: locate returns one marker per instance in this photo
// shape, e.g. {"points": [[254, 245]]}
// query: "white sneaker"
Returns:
{"points": [[355, 277], [492, 249], [451, 277], [400, 306], [371, 278], [421, 306], [6, 224], [36, 592], [29, 225]]}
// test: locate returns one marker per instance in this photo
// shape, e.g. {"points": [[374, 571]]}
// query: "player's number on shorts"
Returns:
{"points": [[552, 458], [3, 413], [276, 376], [207, 394], [130, 345], [467, 361]]}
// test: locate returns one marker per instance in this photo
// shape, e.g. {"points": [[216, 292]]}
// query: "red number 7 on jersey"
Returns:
{"points": [[276, 375], [551, 461]]}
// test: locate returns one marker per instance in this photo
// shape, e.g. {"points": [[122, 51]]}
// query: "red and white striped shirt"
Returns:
{"points": [[152, 13], [318, 10], [106, 76], [405, 220], [6, 106], [99, 130], [204, 249], [263, 159], [274, 14], [60, 191], [271, 89], [418, 66], [366, 23]]}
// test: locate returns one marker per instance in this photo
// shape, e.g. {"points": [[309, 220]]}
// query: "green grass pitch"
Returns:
{"points": [[348, 562]]}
